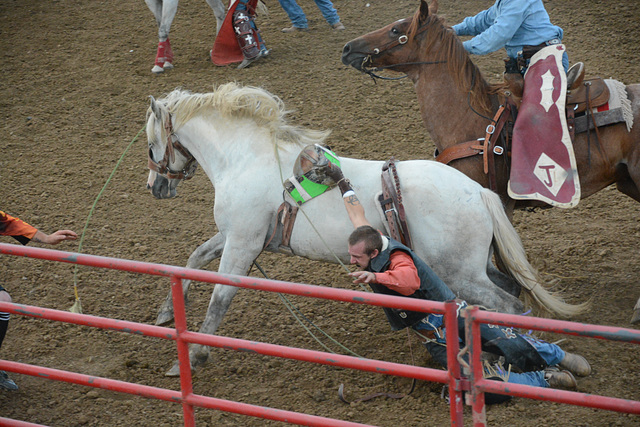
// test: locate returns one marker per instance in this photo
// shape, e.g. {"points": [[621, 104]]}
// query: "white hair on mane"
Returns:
{"points": [[233, 100]]}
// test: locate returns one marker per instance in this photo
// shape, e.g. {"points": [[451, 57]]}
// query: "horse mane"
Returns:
{"points": [[236, 101], [465, 73]]}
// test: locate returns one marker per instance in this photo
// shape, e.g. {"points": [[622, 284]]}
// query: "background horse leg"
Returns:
{"points": [[219, 10], [164, 12], [201, 257], [234, 261], [636, 313]]}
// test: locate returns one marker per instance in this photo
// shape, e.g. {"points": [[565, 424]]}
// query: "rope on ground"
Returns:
{"points": [[77, 305]]}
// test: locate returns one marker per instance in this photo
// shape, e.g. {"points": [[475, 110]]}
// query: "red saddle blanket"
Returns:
{"points": [[543, 166], [226, 49]]}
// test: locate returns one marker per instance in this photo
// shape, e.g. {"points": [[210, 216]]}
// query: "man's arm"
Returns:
{"points": [[23, 232], [401, 276]]}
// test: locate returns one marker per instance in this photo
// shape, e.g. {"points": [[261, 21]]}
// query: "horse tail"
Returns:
{"points": [[512, 253]]}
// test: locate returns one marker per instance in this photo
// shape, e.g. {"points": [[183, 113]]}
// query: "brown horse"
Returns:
{"points": [[457, 104]]}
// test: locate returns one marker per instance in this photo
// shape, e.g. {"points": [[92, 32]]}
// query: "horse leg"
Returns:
{"points": [[483, 292], [219, 10], [502, 280], [630, 188], [636, 313], [201, 257], [234, 261], [164, 12]]}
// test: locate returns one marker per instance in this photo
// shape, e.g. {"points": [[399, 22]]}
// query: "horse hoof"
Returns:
{"points": [[174, 371], [157, 69], [164, 318]]}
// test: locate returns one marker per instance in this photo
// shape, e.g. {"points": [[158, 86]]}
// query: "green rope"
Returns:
{"points": [[77, 307], [293, 309]]}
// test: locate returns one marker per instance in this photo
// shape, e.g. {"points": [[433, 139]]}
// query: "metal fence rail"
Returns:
{"points": [[475, 385]]}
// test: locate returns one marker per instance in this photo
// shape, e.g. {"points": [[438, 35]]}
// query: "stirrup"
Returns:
{"points": [[575, 76]]}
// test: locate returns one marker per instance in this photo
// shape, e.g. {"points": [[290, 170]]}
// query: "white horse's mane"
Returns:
{"points": [[234, 101]]}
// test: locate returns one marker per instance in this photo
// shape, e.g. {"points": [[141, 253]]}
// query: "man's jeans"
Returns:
{"points": [[298, 18]]}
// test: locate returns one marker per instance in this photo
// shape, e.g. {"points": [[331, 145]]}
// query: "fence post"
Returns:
{"points": [[473, 340], [186, 385], [456, 402]]}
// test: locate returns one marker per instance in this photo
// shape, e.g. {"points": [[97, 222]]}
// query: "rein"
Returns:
{"points": [[173, 143]]}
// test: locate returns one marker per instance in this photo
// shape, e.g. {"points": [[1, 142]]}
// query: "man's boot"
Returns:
{"points": [[575, 363]]}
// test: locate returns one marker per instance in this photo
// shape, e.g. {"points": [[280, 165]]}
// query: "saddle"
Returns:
{"points": [[587, 108], [592, 93]]}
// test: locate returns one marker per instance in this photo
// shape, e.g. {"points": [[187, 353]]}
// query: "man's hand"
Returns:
{"points": [[54, 238], [363, 277], [334, 172]]}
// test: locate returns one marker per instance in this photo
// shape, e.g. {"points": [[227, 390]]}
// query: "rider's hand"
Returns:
{"points": [[334, 172]]}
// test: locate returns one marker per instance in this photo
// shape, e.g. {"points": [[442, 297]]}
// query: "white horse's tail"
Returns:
{"points": [[512, 253]]}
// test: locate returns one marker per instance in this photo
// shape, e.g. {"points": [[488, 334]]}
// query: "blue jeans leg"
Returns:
{"points": [[328, 11], [535, 378], [551, 353], [295, 12]]}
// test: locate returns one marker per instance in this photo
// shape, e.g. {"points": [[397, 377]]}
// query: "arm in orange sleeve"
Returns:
{"points": [[402, 275], [15, 227]]}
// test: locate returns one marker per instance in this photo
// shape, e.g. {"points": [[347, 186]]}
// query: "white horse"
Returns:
{"points": [[240, 137], [164, 12]]}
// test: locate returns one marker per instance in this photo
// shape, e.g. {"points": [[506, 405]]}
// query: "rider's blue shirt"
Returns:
{"points": [[511, 24]]}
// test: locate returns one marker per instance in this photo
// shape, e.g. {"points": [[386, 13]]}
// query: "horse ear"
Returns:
{"points": [[433, 7], [423, 12], [154, 107]]}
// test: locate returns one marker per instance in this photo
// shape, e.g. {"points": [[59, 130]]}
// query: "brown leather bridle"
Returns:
{"points": [[401, 40], [173, 143]]}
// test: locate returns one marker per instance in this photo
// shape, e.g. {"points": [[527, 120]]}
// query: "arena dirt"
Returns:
{"points": [[74, 93]]}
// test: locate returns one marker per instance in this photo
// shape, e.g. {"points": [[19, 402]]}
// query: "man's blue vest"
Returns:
{"points": [[431, 286]]}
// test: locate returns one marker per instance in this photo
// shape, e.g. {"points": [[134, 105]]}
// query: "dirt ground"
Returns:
{"points": [[75, 81]]}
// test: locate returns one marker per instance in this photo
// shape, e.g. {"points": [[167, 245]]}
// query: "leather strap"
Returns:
{"points": [[460, 151], [392, 202]]}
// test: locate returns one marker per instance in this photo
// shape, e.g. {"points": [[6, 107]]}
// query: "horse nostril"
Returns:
{"points": [[346, 49]]}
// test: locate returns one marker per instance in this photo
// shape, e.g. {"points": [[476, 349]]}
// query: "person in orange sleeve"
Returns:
{"points": [[391, 268], [23, 233]]}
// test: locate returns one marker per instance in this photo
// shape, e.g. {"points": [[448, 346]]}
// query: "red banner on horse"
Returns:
{"points": [[543, 166]]}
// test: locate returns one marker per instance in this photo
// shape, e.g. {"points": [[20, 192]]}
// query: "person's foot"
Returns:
{"points": [[575, 363], [338, 26], [6, 383], [560, 379], [246, 62], [293, 29]]}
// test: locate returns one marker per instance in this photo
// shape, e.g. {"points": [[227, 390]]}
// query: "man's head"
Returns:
{"points": [[365, 243]]}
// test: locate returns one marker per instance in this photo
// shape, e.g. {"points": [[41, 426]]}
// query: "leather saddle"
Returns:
{"points": [[580, 92]]}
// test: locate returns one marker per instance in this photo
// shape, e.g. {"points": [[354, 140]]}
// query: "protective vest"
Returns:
{"points": [[496, 339], [431, 286]]}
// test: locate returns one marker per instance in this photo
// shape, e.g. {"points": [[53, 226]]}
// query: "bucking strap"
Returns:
{"points": [[391, 202]]}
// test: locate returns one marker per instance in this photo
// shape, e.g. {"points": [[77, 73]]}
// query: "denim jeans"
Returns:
{"points": [[298, 18]]}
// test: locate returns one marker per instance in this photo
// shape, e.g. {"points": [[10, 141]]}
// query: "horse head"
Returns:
{"points": [[169, 162], [391, 47]]}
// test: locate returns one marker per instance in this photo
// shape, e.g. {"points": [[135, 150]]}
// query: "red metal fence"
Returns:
{"points": [[476, 385]]}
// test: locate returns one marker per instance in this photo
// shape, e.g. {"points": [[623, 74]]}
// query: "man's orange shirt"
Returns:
{"points": [[402, 274], [10, 226]]}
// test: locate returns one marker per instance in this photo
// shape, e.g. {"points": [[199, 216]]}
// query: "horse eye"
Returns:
{"points": [[394, 30]]}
